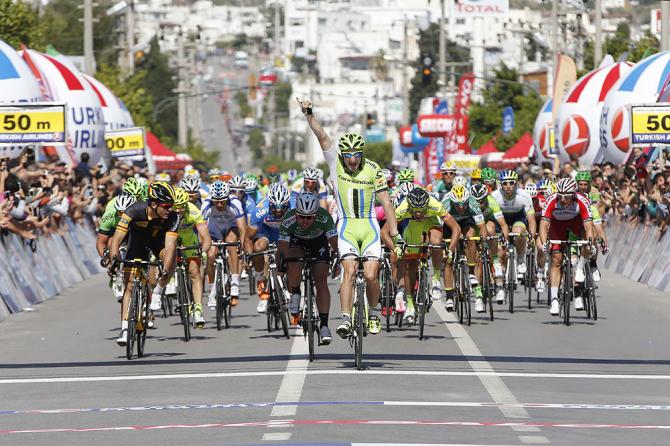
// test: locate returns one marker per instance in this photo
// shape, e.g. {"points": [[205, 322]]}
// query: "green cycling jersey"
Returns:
{"points": [[470, 212], [323, 224]]}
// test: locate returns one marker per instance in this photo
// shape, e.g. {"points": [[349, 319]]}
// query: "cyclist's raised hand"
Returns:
{"points": [[305, 106]]}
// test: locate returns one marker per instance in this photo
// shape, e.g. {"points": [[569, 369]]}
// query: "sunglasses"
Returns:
{"points": [[509, 183], [565, 195], [219, 201], [306, 217], [348, 155], [448, 172], [274, 208], [165, 206]]}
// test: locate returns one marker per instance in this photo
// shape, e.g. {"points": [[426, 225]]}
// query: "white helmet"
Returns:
{"points": [[190, 184], [459, 180], [219, 190], [278, 194], [311, 173], [250, 185], [306, 204], [531, 189], [123, 201], [566, 186], [237, 183]]}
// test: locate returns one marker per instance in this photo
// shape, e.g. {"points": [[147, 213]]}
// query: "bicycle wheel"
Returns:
{"points": [[132, 320], [487, 285], [458, 288], [568, 291], [271, 311], [387, 296], [184, 307], [278, 290], [509, 284], [252, 282], [359, 324], [530, 277], [590, 289], [308, 317], [219, 296], [467, 287], [422, 300], [144, 315], [164, 304]]}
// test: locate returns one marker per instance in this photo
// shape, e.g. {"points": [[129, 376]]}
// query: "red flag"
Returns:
{"points": [[465, 85]]}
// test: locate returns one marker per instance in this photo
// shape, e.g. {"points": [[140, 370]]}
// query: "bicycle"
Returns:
{"points": [[184, 290], [462, 285], [309, 319], [510, 270], [566, 288], [488, 282], [387, 287], [138, 308], [222, 283], [359, 312], [277, 309], [422, 300], [251, 277], [530, 276]]}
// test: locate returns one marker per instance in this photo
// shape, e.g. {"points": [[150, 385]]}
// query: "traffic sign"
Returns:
{"points": [[650, 124], [125, 142], [32, 123]]}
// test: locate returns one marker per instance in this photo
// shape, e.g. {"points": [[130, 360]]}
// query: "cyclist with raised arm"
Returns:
{"points": [[264, 229], [495, 224], [308, 229], [358, 182], [151, 228], [566, 211], [423, 217], [227, 222], [192, 231], [311, 181], [517, 207], [467, 214]]}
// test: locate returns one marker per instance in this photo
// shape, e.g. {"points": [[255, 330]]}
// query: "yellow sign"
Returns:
{"points": [[650, 124], [32, 123], [465, 162], [125, 142]]}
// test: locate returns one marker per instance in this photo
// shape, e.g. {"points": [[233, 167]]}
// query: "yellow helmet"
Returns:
{"points": [[551, 188], [180, 197], [459, 194], [476, 174], [163, 177]]}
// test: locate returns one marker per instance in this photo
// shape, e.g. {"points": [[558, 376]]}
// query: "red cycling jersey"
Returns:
{"points": [[566, 219]]}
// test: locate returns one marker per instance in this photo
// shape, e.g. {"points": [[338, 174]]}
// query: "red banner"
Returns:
{"points": [[465, 85], [430, 158], [405, 136], [436, 125], [462, 134]]}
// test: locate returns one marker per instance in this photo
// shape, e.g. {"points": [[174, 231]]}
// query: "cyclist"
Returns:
{"points": [[422, 215], [517, 207], [251, 189], [443, 187], [226, 221], [151, 228], [489, 178], [263, 230], [308, 229], [495, 224], [565, 211], [191, 185], [405, 176], [130, 193], [358, 182], [468, 216], [476, 176], [192, 231], [311, 182], [163, 177], [583, 179]]}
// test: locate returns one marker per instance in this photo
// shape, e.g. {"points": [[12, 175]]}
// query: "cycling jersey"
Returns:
{"points": [[298, 188], [145, 232], [517, 209], [555, 211], [471, 215], [434, 209], [219, 222], [265, 222], [323, 224], [492, 210], [441, 188], [416, 231], [187, 232], [110, 218], [358, 230]]}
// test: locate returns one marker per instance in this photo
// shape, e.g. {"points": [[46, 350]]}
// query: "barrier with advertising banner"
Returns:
{"points": [[28, 278]]}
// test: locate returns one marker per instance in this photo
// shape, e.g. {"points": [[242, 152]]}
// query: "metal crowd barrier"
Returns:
{"points": [[28, 278]]}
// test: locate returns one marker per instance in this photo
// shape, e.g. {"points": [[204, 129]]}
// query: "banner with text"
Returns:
{"points": [[126, 142], [32, 123]]}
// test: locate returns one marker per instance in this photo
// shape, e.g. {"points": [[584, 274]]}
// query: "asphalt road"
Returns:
{"points": [[522, 379]]}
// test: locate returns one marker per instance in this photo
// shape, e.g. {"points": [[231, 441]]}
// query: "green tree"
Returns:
{"points": [[243, 104], [130, 89], [281, 163], [159, 83], [379, 152], [283, 94], [619, 44], [19, 23], [256, 143]]}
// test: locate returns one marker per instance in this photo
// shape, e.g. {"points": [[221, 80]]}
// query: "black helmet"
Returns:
{"points": [[418, 198], [161, 193]]}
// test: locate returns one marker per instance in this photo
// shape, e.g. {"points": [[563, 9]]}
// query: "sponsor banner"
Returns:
{"points": [[436, 125], [461, 134], [566, 75], [507, 119], [465, 85], [650, 124], [406, 136], [126, 142], [480, 8], [37, 123], [430, 157], [465, 162]]}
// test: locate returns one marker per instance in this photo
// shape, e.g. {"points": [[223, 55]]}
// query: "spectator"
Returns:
{"points": [[83, 170]]}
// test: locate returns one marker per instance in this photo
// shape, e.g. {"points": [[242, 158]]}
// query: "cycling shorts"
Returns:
{"points": [[413, 234], [359, 237], [465, 226], [516, 219], [316, 247], [219, 231], [565, 230], [142, 248], [272, 235]]}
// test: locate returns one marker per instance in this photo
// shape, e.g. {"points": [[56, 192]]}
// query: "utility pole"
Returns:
{"points": [[665, 31], [554, 47], [181, 89], [130, 34], [443, 51], [89, 58], [598, 47], [275, 55], [405, 89]]}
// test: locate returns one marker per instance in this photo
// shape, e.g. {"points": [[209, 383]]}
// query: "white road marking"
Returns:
{"points": [[533, 439], [294, 379], [276, 436], [541, 375]]}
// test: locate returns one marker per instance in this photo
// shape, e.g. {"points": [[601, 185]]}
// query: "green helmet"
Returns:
{"points": [[405, 176], [351, 142], [132, 187], [488, 174], [583, 175]]}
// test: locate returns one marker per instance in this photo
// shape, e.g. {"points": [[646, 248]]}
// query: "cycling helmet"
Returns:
{"points": [[583, 175], [543, 185], [180, 197], [489, 174], [405, 176], [509, 175], [163, 177], [418, 198], [387, 174], [566, 186], [190, 184], [306, 204], [123, 201], [145, 188], [459, 180], [351, 142], [226, 176], [476, 174], [132, 187], [459, 194], [161, 192], [214, 173], [251, 185], [448, 166], [531, 189], [291, 175], [311, 173], [478, 191], [219, 190], [192, 173], [551, 188], [237, 183], [278, 195], [406, 188]]}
